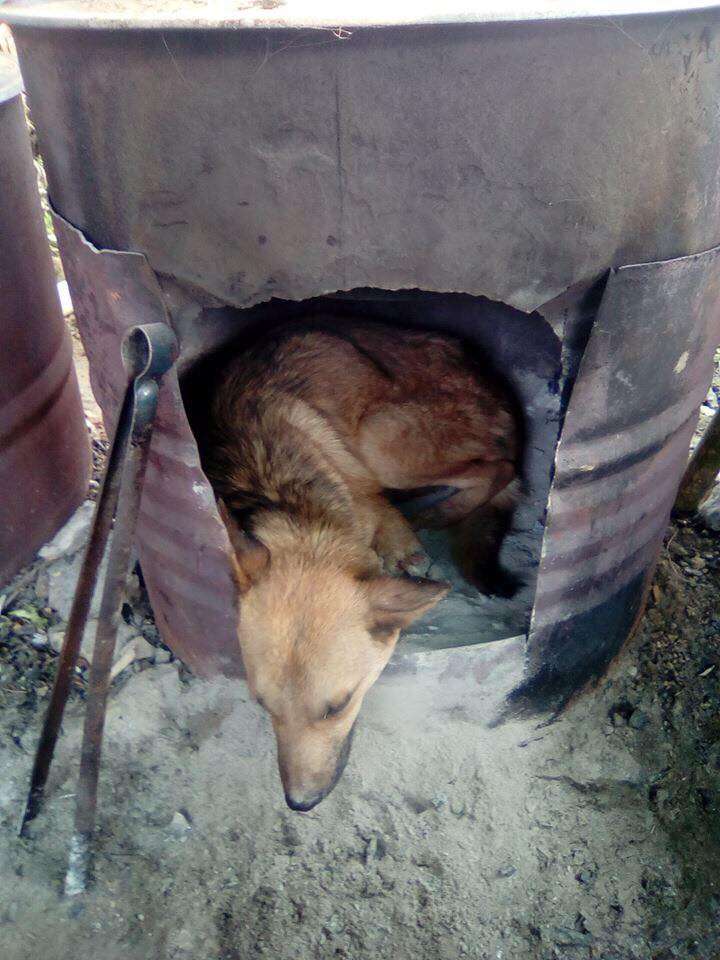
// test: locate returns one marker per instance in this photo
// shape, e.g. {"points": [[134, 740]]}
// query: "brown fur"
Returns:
{"points": [[309, 429]]}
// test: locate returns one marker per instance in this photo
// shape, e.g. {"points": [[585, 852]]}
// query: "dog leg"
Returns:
{"points": [[477, 483], [477, 540], [394, 539]]}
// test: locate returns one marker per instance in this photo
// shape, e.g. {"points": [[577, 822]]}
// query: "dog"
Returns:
{"points": [[311, 431]]}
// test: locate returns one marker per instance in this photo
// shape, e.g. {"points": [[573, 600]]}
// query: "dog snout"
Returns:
{"points": [[305, 785], [302, 804]]}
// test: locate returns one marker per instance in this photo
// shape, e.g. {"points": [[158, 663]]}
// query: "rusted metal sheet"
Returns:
{"points": [[623, 449], [44, 448], [509, 161], [182, 543]]}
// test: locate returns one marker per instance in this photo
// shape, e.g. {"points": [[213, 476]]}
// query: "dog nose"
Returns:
{"points": [[302, 804]]}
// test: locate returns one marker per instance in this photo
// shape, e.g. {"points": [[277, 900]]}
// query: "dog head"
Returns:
{"points": [[314, 638]]}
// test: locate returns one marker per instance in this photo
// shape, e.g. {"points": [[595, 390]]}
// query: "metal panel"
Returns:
{"points": [[623, 448], [182, 543], [510, 161], [44, 449]]}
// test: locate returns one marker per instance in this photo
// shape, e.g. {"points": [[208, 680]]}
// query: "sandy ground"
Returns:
{"points": [[597, 836]]}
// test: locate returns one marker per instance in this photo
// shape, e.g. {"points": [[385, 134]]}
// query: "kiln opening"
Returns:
{"points": [[520, 349]]}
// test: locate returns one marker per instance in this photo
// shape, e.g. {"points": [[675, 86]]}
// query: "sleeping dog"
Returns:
{"points": [[310, 431]]}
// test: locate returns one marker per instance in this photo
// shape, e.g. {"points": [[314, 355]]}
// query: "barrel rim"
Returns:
{"points": [[338, 18]]}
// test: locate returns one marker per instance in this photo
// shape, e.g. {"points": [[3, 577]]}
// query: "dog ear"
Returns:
{"points": [[396, 601], [250, 557]]}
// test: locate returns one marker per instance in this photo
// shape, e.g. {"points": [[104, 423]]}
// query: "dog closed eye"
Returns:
{"points": [[335, 709]]}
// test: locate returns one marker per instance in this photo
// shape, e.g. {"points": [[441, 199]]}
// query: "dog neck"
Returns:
{"points": [[281, 470]]}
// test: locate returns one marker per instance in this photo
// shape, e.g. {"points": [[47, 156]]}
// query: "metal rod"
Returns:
{"points": [[148, 352], [114, 587], [79, 612]]}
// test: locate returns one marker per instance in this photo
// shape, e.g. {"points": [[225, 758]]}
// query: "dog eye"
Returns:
{"points": [[335, 709]]}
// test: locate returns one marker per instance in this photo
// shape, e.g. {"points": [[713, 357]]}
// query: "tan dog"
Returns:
{"points": [[309, 429]]}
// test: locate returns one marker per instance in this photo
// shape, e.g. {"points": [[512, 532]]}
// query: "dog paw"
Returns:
{"points": [[417, 564]]}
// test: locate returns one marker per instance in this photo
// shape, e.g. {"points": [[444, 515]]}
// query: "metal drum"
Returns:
{"points": [[44, 448], [554, 163]]}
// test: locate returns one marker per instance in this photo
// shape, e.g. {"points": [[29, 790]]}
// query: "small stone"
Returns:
{"points": [[507, 871], [439, 801], [431, 863], [180, 825], [72, 536], [698, 563], [55, 637], [565, 937], [39, 641]]}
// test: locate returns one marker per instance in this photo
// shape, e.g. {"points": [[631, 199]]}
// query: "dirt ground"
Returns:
{"points": [[597, 836]]}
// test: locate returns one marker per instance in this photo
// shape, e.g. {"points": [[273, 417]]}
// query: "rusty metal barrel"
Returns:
{"points": [[44, 449], [552, 167]]}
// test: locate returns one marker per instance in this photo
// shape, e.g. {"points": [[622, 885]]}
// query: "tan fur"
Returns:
{"points": [[309, 429]]}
